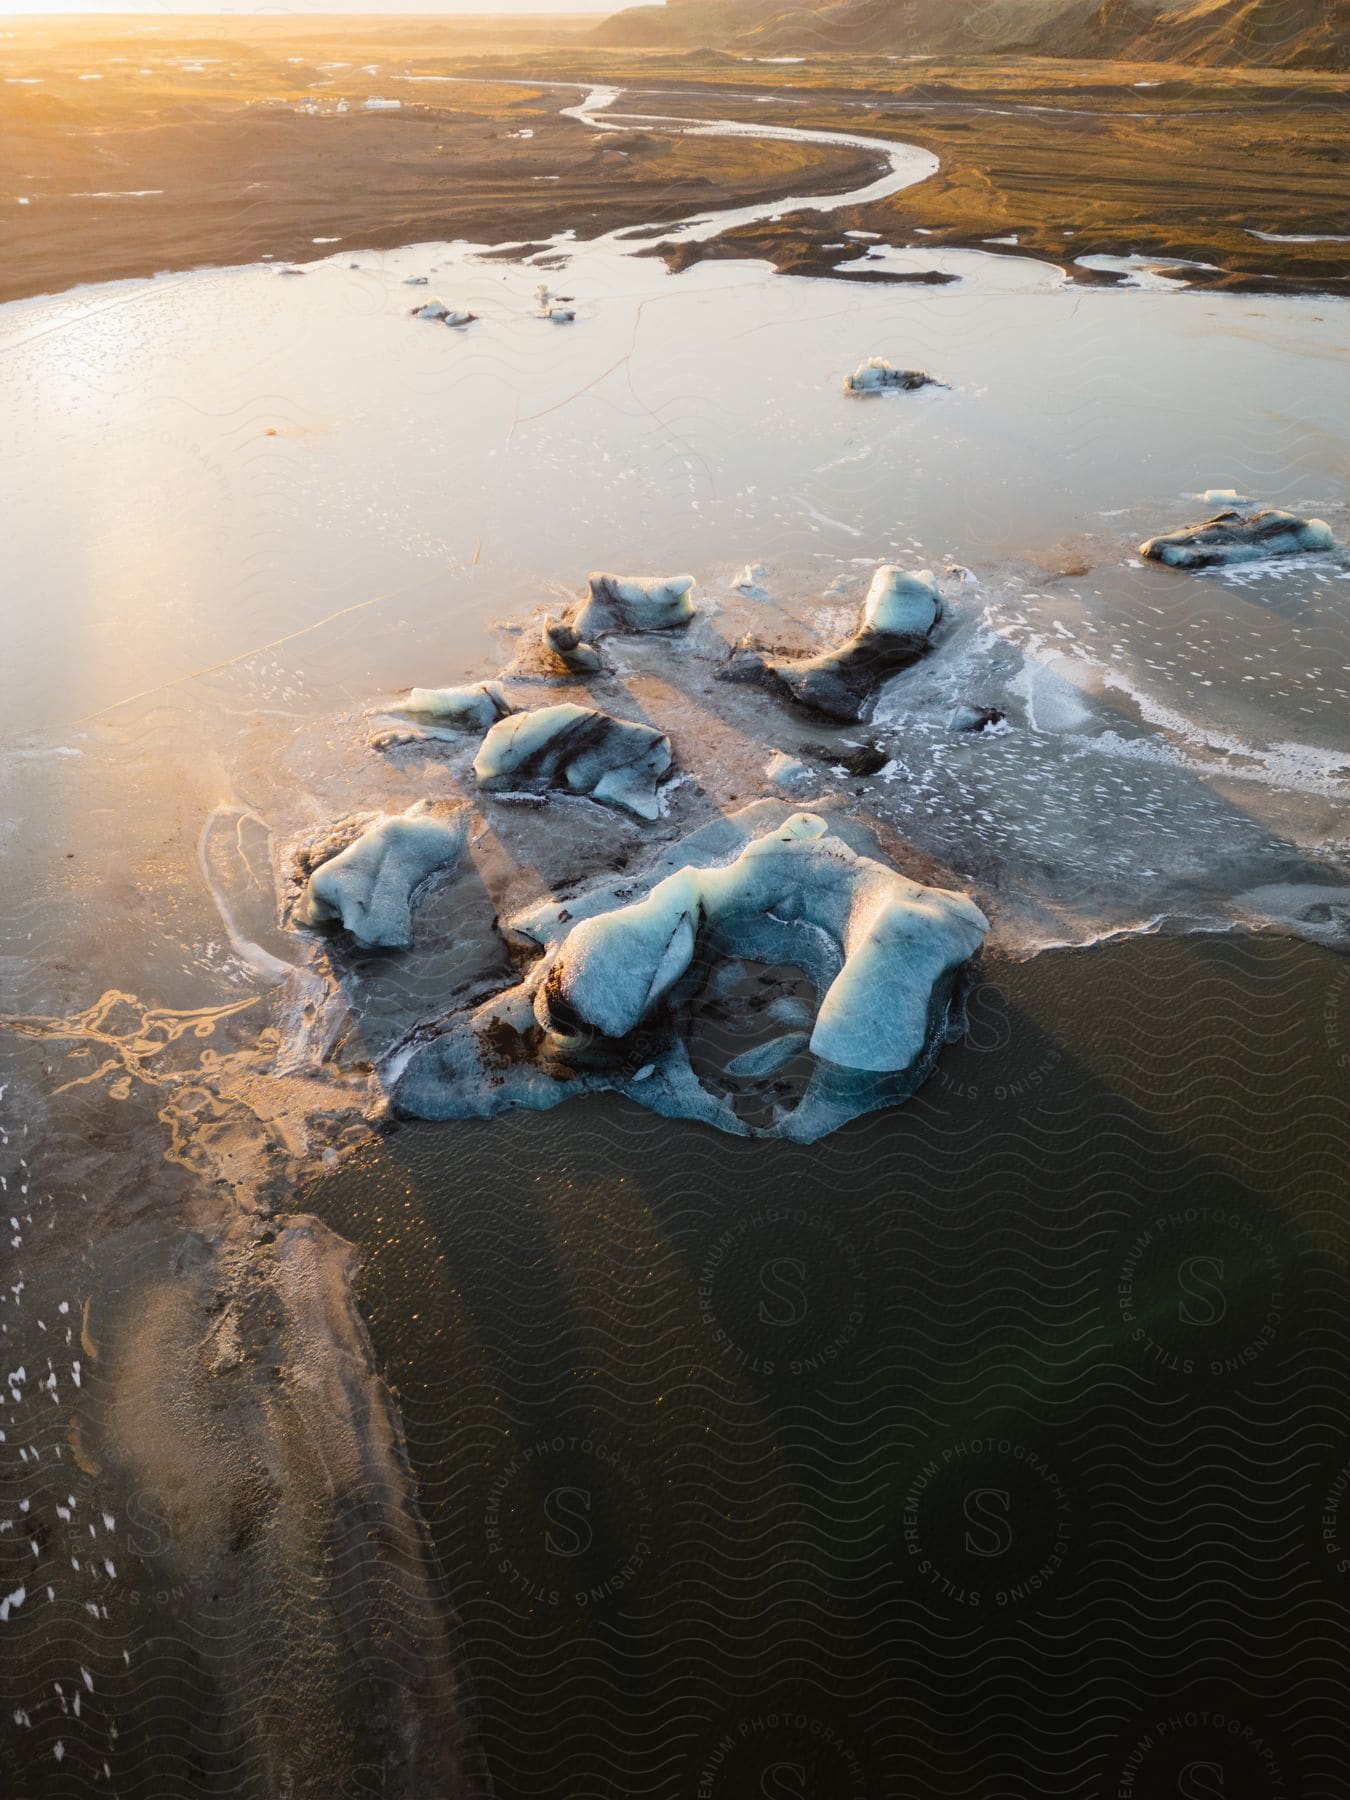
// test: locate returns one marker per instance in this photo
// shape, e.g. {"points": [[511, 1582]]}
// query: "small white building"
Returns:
{"points": [[377, 105]]}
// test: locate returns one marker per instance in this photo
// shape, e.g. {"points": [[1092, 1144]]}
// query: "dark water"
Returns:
{"points": [[997, 1445]]}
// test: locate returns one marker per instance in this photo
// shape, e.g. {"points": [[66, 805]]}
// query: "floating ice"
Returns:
{"points": [[445, 315], [613, 1000], [472, 708], [369, 886], [634, 603], [550, 308], [875, 375], [898, 619], [1233, 536], [580, 751], [902, 603], [1225, 497]]}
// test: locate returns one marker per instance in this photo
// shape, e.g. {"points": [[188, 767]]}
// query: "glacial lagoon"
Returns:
{"points": [[248, 512]]}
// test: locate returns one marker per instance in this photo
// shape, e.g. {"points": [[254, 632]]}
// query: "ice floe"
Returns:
{"points": [[631, 603], [1234, 536], [551, 306], [1225, 497], [472, 708], [899, 615], [368, 887], [579, 751], [618, 995], [439, 312], [877, 375]]}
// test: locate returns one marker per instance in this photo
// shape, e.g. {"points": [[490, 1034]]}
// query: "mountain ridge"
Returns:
{"points": [[1289, 34]]}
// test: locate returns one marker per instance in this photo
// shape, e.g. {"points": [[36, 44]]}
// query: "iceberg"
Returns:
{"points": [[634, 603], [1234, 536], [472, 708], [580, 751], [620, 987], [876, 375], [899, 616], [369, 887]]}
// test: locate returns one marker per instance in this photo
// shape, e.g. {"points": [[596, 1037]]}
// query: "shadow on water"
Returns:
{"points": [[987, 1448]]}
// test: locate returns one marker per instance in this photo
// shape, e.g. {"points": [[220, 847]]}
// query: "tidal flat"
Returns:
{"points": [[592, 1451]]}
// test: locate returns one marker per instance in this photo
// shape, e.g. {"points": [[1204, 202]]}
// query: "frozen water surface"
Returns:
{"points": [[245, 512]]}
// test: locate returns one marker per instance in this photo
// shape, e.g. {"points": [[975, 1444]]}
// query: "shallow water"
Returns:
{"points": [[247, 508], [296, 480]]}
